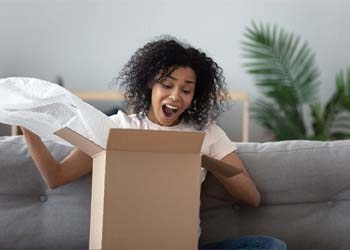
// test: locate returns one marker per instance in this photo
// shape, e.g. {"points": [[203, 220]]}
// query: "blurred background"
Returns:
{"points": [[84, 44]]}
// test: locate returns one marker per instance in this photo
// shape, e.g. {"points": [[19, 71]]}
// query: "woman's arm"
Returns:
{"points": [[55, 173], [241, 186]]}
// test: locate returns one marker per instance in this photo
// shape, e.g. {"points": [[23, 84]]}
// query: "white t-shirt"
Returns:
{"points": [[216, 143]]}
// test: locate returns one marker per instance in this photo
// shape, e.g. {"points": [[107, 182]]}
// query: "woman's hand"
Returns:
{"points": [[241, 186]]}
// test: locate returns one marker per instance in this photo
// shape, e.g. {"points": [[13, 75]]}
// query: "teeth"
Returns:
{"points": [[171, 107]]}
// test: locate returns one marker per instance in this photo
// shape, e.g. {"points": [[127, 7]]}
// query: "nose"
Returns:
{"points": [[174, 96]]}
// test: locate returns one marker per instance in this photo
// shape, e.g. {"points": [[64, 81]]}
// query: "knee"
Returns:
{"points": [[272, 243], [264, 242]]}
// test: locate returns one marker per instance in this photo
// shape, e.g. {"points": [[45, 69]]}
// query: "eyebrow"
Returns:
{"points": [[186, 81]]}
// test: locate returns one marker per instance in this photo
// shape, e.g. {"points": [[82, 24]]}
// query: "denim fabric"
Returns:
{"points": [[248, 243]]}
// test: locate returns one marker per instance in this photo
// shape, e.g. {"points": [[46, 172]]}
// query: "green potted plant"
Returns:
{"points": [[284, 70]]}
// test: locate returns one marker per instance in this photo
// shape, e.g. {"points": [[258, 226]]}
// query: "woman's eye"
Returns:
{"points": [[187, 92], [165, 85]]}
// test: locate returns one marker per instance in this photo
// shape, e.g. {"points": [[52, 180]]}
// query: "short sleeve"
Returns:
{"points": [[216, 142], [121, 119]]}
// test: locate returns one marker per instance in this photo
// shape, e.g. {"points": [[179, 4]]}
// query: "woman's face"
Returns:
{"points": [[172, 96]]}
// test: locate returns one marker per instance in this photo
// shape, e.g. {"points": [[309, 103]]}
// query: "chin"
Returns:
{"points": [[168, 124]]}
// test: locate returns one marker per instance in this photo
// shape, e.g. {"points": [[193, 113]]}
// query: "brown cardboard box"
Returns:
{"points": [[146, 188]]}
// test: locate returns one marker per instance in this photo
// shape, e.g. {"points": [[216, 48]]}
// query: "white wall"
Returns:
{"points": [[87, 42]]}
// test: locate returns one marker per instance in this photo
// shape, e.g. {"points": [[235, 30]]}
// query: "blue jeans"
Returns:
{"points": [[248, 243]]}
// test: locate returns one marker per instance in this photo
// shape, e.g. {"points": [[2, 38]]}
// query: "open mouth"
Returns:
{"points": [[169, 110]]}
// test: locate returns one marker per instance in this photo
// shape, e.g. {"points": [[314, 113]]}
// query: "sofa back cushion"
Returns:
{"points": [[33, 216], [305, 196]]}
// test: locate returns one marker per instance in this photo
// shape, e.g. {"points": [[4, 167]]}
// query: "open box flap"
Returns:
{"points": [[84, 144], [155, 141], [150, 141], [219, 167]]}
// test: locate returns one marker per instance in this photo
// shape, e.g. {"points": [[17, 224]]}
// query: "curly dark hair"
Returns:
{"points": [[157, 60]]}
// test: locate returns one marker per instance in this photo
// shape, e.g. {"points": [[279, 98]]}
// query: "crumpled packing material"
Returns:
{"points": [[44, 107]]}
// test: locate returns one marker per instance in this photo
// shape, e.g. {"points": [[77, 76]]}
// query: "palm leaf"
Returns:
{"points": [[284, 70], [271, 118], [343, 87], [333, 120]]}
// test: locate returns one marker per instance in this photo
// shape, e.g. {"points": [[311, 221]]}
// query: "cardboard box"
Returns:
{"points": [[146, 188]]}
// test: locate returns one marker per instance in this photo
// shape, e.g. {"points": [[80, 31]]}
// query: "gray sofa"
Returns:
{"points": [[304, 187]]}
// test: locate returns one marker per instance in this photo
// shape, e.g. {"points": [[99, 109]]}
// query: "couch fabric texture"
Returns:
{"points": [[304, 187]]}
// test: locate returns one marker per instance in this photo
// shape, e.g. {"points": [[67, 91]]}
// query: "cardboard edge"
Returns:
{"points": [[81, 142], [148, 140], [220, 167]]}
